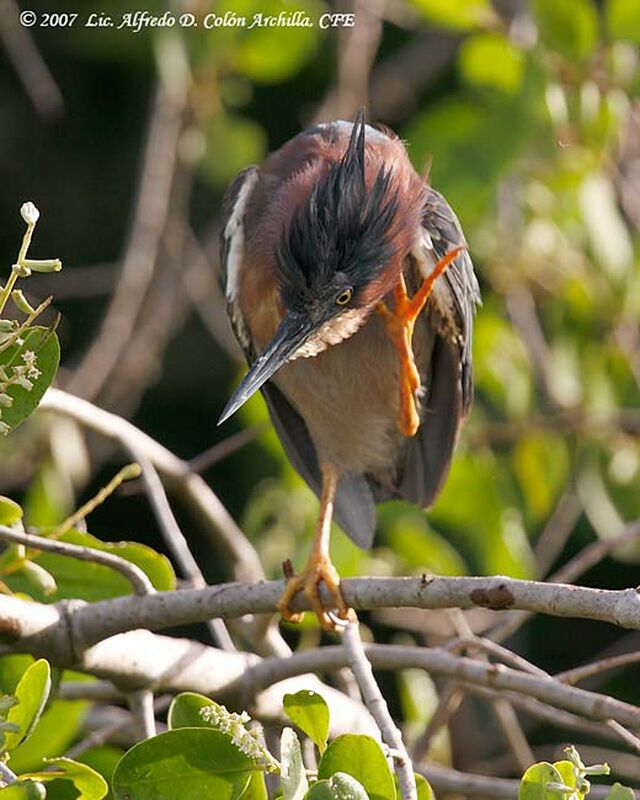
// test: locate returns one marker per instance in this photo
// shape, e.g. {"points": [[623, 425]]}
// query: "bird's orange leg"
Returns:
{"points": [[400, 322], [319, 568]]}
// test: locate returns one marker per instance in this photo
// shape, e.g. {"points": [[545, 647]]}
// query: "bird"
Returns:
{"points": [[349, 285]]}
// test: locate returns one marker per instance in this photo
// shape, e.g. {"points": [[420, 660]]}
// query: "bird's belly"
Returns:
{"points": [[348, 398]]}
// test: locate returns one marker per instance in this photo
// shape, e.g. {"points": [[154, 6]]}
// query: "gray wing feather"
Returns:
{"points": [[449, 381]]}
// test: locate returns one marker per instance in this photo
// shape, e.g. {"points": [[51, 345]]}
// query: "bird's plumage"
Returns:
{"points": [[339, 181]]}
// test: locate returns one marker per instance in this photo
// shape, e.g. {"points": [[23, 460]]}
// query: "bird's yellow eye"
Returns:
{"points": [[343, 298]]}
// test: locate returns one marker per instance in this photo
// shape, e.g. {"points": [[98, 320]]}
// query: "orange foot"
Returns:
{"points": [[400, 323], [319, 570]]}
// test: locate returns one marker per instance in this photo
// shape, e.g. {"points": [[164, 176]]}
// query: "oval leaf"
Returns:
{"points": [[44, 343], [89, 783], [184, 711], [619, 792], [338, 787], [23, 790], [10, 512], [189, 762], [362, 758], [534, 783], [310, 713], [292, 772], [32, 693]]}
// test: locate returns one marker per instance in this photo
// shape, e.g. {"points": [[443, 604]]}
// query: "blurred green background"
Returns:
{"points": [[528, 114]]}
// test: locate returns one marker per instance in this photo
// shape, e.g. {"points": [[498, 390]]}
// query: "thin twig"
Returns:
{"points": [[176, 540], [136, 577], [578, 674], [377, 705], [225, 448]]}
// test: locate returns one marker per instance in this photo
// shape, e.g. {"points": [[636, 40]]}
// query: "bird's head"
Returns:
{"points": [[340, 250]]}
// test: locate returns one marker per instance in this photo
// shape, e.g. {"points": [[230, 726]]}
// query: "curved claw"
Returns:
{"points": [[318, 570]]}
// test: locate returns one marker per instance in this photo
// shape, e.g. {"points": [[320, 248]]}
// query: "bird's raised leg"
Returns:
{"points": [[319, 568], [400, 322]]}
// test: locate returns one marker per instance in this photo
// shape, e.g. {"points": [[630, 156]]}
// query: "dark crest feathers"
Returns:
{"points": [[340, 227]]}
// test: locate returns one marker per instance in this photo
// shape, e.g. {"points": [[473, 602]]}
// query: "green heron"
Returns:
{"points": [[331, 254]]}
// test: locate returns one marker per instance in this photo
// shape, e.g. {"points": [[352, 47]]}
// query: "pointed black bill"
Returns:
{"points": [[292, 333]]}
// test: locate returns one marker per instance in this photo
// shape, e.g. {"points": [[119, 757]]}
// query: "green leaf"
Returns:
{"points": [[292, 771], [541, 464], [189, 762], [619, 792], [362, 758], [184, 711], [23, 790], [10, 512], [489, 59], [534, 783], [59, 726], [93, 582], [623, 20], [425, 792], [338, 787], [310, 713], [257, 788], [89, 783], [44, 343], [32, 693], [460, 15], [569, 27]]}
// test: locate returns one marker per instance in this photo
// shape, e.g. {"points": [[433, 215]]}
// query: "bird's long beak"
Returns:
{"points": [[292, 333]]}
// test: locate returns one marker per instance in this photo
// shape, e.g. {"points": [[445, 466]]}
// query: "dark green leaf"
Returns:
{"points": [[189, 762], [362, 758], [184, 711], [44, 343], [32, 693], [569, 27], [310, 713]]}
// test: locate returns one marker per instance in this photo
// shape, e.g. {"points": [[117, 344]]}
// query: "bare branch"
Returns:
{"points": [[377, 705], [141, 706]]}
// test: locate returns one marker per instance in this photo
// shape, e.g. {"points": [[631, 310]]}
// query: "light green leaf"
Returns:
{"points": [[310, 713], [489, 59], [623, 20], [10, 512], [541, 464], [257, 788], [569, 27], [534, 783], [32, 693], [338, 787], [459, 15], [89, 783], [44, 343], [189, 762], [292, 771], [619, 792], [425, 792], [184, 711], [362, 758], [23, 790]]}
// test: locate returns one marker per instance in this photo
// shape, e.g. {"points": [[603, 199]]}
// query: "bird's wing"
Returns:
{"points": [[446, 333], [354, 507]]}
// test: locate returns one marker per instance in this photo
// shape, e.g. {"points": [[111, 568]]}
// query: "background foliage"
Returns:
{"points": [[528, 114]]}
